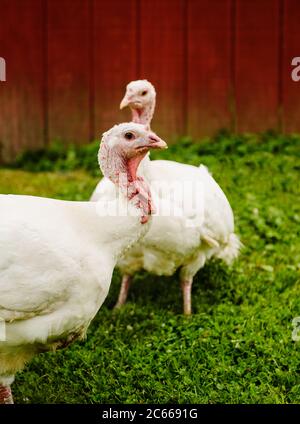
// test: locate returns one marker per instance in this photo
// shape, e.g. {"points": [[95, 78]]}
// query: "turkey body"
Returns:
{"points": [[57, 257], [187, 240], [56, 264]]}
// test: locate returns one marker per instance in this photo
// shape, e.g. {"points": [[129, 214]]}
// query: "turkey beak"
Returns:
{"points": [[155, 142], [152, 141], [124, 103]]}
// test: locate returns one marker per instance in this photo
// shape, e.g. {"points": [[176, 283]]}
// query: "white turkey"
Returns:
{"points": [[200, 230], [57, 257]]}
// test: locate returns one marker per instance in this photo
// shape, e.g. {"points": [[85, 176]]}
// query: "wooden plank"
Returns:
{"points": [[291, 89], [257, 69], [68, 70], [115, 59], [21, 45], [210, 94], [162, 53]]}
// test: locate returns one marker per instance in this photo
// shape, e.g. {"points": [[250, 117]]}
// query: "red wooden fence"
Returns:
{"points": [[215, 64]]}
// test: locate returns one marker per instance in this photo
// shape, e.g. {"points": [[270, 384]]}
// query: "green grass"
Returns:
{"points": [[237, 346]]}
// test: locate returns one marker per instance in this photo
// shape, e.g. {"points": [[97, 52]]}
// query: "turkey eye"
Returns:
{"points": [[144, 93], [129, 136]]}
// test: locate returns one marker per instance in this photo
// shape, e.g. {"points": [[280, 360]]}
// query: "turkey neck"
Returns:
{"points": [[143, 116], [122, 172]]}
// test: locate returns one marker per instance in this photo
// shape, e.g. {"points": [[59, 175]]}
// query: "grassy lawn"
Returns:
{"points": [[237, 346]]}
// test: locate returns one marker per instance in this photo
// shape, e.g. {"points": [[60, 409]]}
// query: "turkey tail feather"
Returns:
{"points": [[231, 249]]}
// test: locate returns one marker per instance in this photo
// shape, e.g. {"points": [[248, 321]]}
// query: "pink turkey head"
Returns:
{"points": [[121, 151], [140, 96]]}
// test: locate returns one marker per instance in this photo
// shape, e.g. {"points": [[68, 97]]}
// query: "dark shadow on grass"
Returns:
{"points": [[212, 285]]}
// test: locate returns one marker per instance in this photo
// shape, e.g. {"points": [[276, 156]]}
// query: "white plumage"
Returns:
{"points": [[57, 257], [186, 241]]}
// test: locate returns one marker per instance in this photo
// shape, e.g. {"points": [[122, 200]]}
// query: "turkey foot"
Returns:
{"points": [[5, 395]]}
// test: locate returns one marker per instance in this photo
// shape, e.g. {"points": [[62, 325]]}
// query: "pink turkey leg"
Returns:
{"points": [[126, 280]]}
